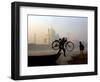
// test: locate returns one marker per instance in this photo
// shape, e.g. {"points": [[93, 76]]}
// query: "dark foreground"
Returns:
{"points": [[42, 60], [51, 60]]}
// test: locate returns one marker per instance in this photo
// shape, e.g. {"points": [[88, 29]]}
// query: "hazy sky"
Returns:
{"points": [[74, 27]]}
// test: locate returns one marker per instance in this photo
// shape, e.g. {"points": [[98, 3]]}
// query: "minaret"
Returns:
{"points": [[51, 35]]}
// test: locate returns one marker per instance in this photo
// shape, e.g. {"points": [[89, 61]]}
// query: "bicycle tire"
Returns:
{"points": [[69, 46], [55, 45]]}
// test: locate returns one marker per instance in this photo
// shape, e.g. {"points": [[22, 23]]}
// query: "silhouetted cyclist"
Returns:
{"points": [[61, 45]]}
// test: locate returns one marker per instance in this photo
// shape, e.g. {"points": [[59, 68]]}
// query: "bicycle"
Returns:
{"points": [[69, 46]]}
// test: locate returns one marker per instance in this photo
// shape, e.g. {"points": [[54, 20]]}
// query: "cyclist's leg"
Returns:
{"points": [[64, 52], [59, 51]]}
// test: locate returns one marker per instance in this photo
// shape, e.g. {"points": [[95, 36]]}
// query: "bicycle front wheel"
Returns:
{"points": [[55, 45]]}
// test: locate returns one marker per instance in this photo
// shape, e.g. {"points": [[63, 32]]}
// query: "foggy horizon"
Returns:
{"points": [[74, 28]]}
